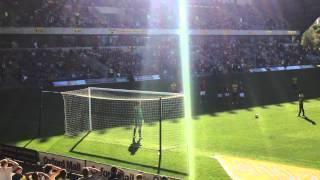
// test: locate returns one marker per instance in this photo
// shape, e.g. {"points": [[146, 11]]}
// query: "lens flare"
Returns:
{"points": [[185, 69]]}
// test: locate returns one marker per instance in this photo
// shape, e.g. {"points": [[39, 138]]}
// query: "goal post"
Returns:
{"points": [[96, 108], [77, 111], [89, 104], [126, 119]]}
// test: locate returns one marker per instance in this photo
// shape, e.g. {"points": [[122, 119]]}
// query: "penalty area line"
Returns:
{"points": [[224, 166]]}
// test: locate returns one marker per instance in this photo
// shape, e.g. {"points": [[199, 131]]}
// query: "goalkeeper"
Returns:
{"points": [[138, 119]]}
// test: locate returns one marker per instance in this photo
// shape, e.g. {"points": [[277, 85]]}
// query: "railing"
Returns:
{"points": [[118, 31]]}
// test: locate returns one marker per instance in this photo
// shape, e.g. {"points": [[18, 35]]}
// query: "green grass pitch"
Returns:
{"points": [[278, 135]]}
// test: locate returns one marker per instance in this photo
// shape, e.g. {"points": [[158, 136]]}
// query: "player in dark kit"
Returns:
{"points": [[138, 119], [301, 99]]}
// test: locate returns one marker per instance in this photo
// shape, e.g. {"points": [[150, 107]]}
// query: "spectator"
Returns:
{"points": [[6, 168], [226, 96], [90, 173], [37, 176], [220, 98], [115, 174], [242, 96], [18, 173], [139, 177], [52, 171], [62, 175], [235, 93], [173, 87], [203, 91]]}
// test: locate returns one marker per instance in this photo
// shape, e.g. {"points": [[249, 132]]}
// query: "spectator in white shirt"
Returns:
{"points": [[6, 169], [52, 171]]}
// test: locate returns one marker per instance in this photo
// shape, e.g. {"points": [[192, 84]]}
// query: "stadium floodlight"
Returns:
{"points": [[185, 69]]}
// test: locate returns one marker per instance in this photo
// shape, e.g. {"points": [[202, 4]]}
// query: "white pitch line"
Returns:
{"points": [[221, 161]]}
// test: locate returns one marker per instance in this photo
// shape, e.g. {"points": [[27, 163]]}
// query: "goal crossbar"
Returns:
{"points": [[137, 91], [166, 95]]}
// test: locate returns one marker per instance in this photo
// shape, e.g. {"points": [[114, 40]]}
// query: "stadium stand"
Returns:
{"points": [[44, 65], [210, 55], [240, 54], [10, 168], [230, 15], [80, 13], [17, 170], [135, 14]]}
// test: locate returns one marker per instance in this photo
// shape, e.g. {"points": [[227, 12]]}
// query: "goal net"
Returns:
{"points": [[118, 115]]}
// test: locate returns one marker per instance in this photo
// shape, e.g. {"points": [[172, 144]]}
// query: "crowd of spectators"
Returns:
{"points": [[11, 170], [81, 13], [221, 15], [229, 55], [209, 56], [231, 95], [135, 14], [41, 66], [228, 95]]}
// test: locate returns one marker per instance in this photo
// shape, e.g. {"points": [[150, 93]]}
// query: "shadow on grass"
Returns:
{"points": [[309, 120], [133, 148], [78, 142], [128, 162], [232, 112], [101, 131], [150, 124], [175, 121], [194, 117], [213, 115], [29, 142], [43, 140]]}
